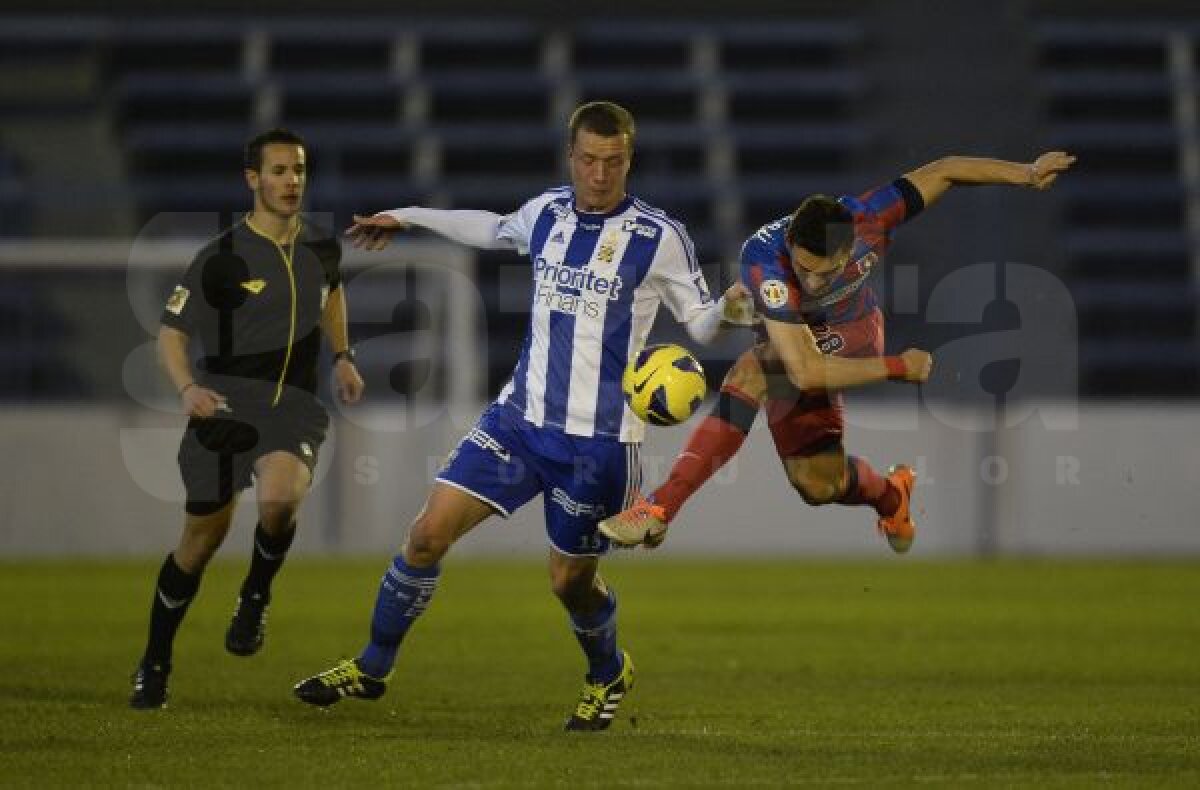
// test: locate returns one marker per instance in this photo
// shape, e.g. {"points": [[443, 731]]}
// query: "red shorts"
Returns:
{"points": [[808, 423]]}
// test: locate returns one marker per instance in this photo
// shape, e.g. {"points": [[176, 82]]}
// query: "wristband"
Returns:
{"points": [[346, 354], [185, 387], [896, 369]]}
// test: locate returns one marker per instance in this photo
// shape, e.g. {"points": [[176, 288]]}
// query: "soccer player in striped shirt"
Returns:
{"points": [[603, 262], [822, 333]]}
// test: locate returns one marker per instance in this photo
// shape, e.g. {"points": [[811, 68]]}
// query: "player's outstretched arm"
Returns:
{"points": [[374, 232], [934, 179], [808, 369], [470, 227]]}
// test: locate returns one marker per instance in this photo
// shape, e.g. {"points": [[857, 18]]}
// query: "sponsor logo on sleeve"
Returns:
{"points": [[640, 229]]}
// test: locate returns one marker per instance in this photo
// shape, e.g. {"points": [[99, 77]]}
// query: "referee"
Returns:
{"points": [[257, 299]]}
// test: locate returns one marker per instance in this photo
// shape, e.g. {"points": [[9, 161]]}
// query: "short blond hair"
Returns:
{"points": [[605, 118]]}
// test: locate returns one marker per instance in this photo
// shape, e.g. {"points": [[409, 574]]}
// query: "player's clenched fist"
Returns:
{"points": [[917, 365]]}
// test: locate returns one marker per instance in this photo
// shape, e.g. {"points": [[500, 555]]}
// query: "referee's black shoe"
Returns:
{"points": [[150, 686], [248, 627]]}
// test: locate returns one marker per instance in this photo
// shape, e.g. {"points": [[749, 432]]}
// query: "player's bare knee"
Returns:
{"points": [[425, 551], [428, 541], [572, 587], [277, 517], [202, 536], [574, 584], [192, 557]]}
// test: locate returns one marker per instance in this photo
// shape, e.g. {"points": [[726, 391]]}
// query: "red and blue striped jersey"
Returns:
{"points": [[766, 264]]}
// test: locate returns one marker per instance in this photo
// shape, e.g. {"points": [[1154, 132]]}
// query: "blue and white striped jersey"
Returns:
{"points": [[598, 280]]}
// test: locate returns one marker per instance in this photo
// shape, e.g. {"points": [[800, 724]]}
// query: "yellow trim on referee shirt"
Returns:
{"points": [[288, 257]]}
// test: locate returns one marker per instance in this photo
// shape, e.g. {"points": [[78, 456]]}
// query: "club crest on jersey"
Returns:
{"points": [[774, 293], [643, 230], [608, 249], [178, 300]]}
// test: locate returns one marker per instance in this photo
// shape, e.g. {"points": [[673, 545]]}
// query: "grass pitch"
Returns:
{"points": [[749, 674]]}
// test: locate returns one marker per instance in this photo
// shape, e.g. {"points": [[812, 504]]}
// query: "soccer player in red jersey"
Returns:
{"points": [[822, 332]]}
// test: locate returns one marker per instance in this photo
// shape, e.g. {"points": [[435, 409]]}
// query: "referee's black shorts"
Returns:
{"points": [[217, 454]]}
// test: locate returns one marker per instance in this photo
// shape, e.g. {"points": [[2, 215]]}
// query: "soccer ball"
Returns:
{"points": [[664, 384]]}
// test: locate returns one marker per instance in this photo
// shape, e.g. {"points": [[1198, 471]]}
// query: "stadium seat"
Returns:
{"points": [[316, 53], [1108, 97], [16, 209], [178, 49], [469, 113], [489, 98], [752, 48], [477, 46]]}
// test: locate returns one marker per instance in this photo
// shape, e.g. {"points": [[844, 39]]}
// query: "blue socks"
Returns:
{"points": [[597, 635], [404, 593]]}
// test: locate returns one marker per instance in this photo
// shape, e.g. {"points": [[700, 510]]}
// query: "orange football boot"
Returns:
{"points": [[643, 523], [899, 528]]}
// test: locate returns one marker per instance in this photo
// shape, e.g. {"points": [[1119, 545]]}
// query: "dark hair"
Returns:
{"points": [[252, 154], [821, 225], [603, 118]]}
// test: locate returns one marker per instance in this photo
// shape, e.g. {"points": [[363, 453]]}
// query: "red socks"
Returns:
{"points": [[711, 445], [865, 486], [719, 437]]}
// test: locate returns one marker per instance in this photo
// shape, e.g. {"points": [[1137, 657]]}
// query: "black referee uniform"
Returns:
{"points": [[255, 306]]}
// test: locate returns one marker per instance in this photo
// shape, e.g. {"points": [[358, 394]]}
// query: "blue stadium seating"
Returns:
{"points": [[1108, 96], [16, 209], [736, 118]]}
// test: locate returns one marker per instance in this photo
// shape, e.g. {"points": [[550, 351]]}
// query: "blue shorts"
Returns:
{"points": [[506, 461]]}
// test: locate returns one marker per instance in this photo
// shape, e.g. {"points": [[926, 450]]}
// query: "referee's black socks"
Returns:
{"points": [[266, 559], [172, 595]]}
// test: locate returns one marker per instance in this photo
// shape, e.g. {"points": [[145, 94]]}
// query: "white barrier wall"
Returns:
{"points": [[1123, 481]]}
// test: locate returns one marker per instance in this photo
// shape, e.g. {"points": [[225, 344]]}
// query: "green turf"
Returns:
{"points": [[749, 674]]}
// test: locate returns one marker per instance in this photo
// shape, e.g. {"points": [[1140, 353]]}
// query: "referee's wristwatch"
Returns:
{"points": [[346, 354]]}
